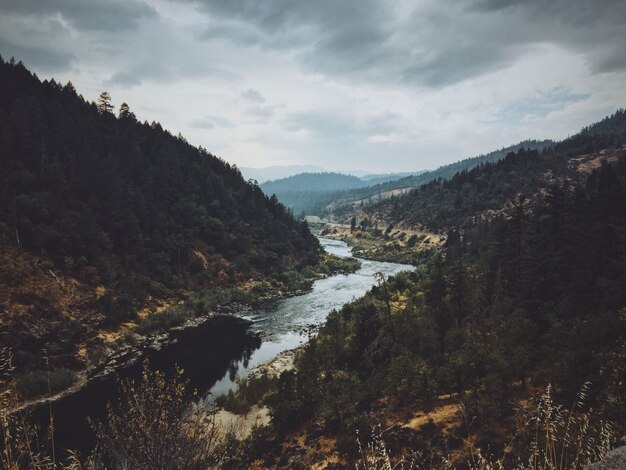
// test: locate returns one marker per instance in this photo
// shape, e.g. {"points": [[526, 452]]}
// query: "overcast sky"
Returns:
{"points": [[343, 84]]}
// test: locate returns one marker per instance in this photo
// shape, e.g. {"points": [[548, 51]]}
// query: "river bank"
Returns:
{"points": [[158, 328], [387, 243], [213, 350]]}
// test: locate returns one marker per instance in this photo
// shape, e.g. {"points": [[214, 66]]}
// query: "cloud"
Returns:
{"points": [[112, 15], [253, 95], [212, 122], [333, 125], [431, 43], [384, 85], [595, 29], [44, 59], [540, 105], [124, 79]]}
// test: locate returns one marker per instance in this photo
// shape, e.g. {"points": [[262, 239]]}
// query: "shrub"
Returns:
{"points": [[38, 383], [172, 316], [150, 426]]}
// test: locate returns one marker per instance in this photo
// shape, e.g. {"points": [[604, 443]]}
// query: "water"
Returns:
{"points": [[284, 324], [224, 349]]}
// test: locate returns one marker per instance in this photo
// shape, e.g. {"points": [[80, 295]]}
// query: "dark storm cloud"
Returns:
{"points": [[110, 15], [46, 60], [432, 44], [123, 78], [595, 28]]}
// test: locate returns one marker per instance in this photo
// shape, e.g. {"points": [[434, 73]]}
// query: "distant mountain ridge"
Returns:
{"points": [[487, 187], [443, 172], [307, 193], [324, 193], [262, 175], [325, 181]]}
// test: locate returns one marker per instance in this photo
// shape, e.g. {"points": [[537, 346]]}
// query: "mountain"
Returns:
{"points": [[336, 195], [443, 203], [261, 175], [306, 193], [509, 334], [310, 193], [343, 203], [103, 216], [377, 178], [313, 182]]}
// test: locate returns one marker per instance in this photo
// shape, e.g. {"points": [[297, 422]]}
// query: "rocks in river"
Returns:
{"points": [[308, 330]]}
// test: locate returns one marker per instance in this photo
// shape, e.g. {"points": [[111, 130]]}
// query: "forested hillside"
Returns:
{"points": [[312, 182], [101, 213], [308, 192], [532, 296], [445, 203], [343, 204]]}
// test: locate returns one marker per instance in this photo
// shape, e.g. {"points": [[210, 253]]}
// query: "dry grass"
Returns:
{"points": [[549, 437]]}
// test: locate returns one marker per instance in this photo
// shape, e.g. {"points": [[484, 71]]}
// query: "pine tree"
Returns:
{"points": [[104, 103]]}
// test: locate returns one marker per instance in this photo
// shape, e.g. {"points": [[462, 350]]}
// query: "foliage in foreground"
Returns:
{"points": [[151, 426], [548, 437]]}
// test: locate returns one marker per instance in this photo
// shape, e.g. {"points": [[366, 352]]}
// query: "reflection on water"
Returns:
{"points": [[215, 354], [204, 353], [283, 325]]}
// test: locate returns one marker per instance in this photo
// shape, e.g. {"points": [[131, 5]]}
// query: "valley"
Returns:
{"points": [[157, 310]]}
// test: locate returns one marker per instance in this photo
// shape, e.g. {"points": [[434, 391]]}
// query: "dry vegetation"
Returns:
{"points": [[373, 238]]}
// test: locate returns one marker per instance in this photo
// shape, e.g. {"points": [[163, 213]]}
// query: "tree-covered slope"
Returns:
{"points": [[527, 297], [91, 201], [308, 192], [532, 297], [117, 193], [343, 203], [444, 203]]}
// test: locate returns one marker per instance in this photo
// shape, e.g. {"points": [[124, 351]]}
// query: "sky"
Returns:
{"points": [[371, 85]]}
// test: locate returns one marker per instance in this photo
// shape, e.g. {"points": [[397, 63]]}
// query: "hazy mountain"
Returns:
{"points": [[377, 178], [375, 192], [313, 182], [311, 192], [446, 202], [277, 172]]}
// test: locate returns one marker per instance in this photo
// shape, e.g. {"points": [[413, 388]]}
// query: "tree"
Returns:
{"points": [[125, 112], [104, 103]]}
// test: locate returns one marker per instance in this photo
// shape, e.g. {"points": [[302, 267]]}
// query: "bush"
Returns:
{"points": [[37, 383], [172, 316], [150, 427]]}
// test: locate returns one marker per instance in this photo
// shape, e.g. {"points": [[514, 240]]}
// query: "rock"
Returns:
{"points": [[614, 460]]}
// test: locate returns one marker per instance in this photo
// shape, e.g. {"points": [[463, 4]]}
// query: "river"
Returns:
{"points": [[284, 324], [217, 353]]}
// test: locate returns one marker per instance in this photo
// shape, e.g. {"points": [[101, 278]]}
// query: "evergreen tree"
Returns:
{"points": [[104, 103]]}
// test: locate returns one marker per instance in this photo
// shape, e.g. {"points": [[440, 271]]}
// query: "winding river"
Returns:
{"points": [[217, 353], [285, 324]]}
